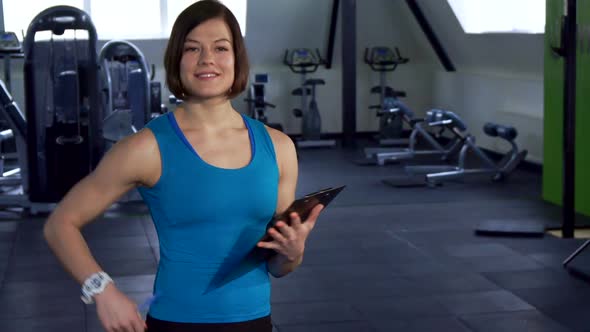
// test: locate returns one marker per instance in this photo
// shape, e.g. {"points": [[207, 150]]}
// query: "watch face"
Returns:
{"points": [[96, 282]]}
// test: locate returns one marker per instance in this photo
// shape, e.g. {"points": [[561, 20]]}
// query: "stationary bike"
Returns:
{"points": [[383, 60], [303, 61]]}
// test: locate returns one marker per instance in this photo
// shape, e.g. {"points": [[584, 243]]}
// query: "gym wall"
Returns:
{"points": [[305, 24], [553, 130], [499, 78]]}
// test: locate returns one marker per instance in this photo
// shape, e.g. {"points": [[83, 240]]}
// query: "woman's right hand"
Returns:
{"points": [[117, 312]]}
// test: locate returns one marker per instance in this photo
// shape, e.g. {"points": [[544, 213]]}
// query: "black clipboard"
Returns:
{"points": [[257, 255], [304, 205]]}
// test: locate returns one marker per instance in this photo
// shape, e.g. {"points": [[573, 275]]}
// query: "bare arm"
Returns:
{"points": [[131, 162], [118, 172], [288, 241]]}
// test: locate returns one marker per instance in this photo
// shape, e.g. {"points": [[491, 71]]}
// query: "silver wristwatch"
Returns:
{"points": [[95, 284]]}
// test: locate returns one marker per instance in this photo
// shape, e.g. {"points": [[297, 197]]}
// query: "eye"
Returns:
{"points": [[191, 49], [222, 48]]}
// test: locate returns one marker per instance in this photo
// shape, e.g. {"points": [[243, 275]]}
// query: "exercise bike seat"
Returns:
{"points": [[315, 81], [508, 133], [389, 92], [299, 92], [439, 117]]}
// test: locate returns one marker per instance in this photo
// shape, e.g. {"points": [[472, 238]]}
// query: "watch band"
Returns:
{"points": [[95, 284]]}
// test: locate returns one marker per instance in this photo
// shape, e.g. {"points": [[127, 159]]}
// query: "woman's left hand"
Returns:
{"points": [[289, 240]]}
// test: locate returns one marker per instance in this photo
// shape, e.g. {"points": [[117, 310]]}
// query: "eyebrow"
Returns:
{"points": [[198, 42]]}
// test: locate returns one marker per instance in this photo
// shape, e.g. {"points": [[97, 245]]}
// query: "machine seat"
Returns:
{"points": [[508, 133], [299, 92], [315, 81]]}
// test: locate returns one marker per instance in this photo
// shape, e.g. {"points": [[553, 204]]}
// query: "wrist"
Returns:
{"points": [[292, 261], [95, 285]]}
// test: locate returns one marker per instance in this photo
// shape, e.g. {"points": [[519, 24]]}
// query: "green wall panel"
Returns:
{"points": [[583, 109], [553, 113], [553, 101]]}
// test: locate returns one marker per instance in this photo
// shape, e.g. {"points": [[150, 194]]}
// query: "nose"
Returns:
{"points": [[206, 57]]}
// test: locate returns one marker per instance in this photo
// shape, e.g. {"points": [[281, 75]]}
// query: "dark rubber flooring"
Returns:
{"points": [[380, 259]]}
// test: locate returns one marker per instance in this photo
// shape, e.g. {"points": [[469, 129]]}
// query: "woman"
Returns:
{"points": [[212, 180]]}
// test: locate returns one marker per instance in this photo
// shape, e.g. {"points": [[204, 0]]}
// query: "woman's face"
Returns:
{"points": [[207, 64]]}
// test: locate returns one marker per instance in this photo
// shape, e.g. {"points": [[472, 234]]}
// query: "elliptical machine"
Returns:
{"points": [[257, 103], [303, 61], [383, 60]]}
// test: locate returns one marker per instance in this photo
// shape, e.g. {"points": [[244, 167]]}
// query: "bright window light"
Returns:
{"points": [[500, 16], [128, 19], [67, 35], [237, 7], [17, 16], [113, 19]]}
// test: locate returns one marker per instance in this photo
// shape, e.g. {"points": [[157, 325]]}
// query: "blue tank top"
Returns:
{"points": [[207, 218]]}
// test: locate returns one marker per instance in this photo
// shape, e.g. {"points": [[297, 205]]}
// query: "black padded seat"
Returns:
{"points": [[315, 81], [299, 92], [389, 92], [508, 133]]}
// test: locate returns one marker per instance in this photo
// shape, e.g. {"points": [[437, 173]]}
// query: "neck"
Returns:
{"points": [[209, 114]]}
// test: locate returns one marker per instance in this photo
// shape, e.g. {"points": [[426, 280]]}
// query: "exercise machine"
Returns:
{"points": [[498, 171], [64, 117], [439, 120], [383, 60], [257, 103], [303, 61], [16, 179], [10, 48], [130, 97]]}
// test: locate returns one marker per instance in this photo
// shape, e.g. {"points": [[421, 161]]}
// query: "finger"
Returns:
{"points": [[138, 325], [288, 232], [295, 220], [313, 215], [143, 320], [268, 245], [276, 235]]}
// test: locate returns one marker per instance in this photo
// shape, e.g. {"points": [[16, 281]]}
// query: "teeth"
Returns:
{"points": [[207, 75]]}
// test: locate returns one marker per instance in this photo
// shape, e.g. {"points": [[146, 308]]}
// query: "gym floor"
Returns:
{"points": [[380, 259]]}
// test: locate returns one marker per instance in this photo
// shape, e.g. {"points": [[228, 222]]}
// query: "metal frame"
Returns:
{"points": [[119, 47], [382, 155], [437, 174]]}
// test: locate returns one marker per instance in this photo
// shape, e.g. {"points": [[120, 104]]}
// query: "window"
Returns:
{"points": [[18, 17], [500, 16], [128, 19], [114, 19]]}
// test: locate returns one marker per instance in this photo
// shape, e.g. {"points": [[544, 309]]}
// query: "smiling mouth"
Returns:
{"points": [[206, 75]]}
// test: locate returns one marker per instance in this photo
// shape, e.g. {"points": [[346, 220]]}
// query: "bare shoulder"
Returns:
{"points": [[136, 157], [284, 150], [282, 142]]}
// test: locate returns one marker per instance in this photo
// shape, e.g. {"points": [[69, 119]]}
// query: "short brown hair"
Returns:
{"points": [[191, 17]]}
